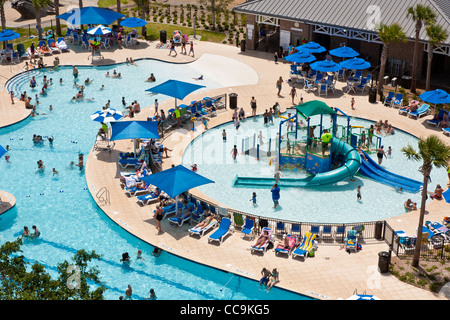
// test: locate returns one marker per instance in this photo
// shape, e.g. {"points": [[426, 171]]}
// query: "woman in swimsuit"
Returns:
{"points": [[380, 154], [158, 216], [273, 279], [262, 240]]}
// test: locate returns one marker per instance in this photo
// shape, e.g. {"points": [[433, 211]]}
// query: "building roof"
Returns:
{"points": [[350, 14]]}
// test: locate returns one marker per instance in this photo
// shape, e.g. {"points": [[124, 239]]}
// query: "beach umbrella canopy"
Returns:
{"points": [[176, 180], [2, 151], [108, 115], [133, 22], [7, 35], [355, 64], [314, 107], [91, 15], [175, 88], [325, 66], [99, 30], [363, 297], [300, 57], [312, 47], [344, 52], [134, 130], [437, 96]]}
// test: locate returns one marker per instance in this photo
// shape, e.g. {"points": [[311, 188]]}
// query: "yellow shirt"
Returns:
{"points": [[326, 137]]}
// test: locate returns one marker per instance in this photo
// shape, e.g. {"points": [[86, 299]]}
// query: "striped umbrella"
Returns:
{"points": [[99, 30], [108, 115]]}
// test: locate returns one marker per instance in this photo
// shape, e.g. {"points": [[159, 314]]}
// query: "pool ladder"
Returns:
{"points": [[103, 196]]}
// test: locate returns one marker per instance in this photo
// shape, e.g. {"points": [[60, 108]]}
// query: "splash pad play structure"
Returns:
{"points": [[329, 157]]}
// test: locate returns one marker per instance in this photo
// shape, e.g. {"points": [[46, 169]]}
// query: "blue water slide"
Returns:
{"points": [[347, 170], [372, 170]]}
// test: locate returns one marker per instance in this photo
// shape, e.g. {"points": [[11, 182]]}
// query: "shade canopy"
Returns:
{"points": [[7, 35], [300, 57], [134, 130], [175, 88], [355, 64], [133, 22], [176, 180], [312, 47], [437, 96], [344, 52], [2, 151], [91, 15], [325, 66], [314, 107], [99, 30], [108, 115]]}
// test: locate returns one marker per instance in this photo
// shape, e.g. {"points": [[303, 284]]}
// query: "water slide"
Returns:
{"points": [[372, 170], [347, 170]]}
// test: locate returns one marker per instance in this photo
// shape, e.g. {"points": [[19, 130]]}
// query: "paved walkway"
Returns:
{"points": [[332, 273]]}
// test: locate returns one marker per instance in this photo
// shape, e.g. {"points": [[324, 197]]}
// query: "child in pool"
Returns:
{"points": [[253, 198]]}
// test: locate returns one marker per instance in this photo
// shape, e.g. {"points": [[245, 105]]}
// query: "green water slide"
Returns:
{"points": [[347, 170]]}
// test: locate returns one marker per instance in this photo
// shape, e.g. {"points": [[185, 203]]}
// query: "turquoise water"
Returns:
{"points": [[332, 204], [62, 207]]}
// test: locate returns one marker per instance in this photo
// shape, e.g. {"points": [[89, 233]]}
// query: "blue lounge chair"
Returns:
{"points": [[306, 246], [389, 98], [133, 191], [171, 208], [326, 232], [53, 46], [127, 162], [315, 230], [197, 214], [363, 85], [351, 241], [180, 219], [295, 228], [147, 198], [398, 101], [200, 231], [223, 230], [280, 249], [438, 119], [443, 230], [263, 248], [248, 228], [446, 131], [424, 109], [61, 43]]}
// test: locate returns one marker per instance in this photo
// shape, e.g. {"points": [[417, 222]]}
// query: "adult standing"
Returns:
{"points": [[75, 73], [279, 83], [253, 106], [381, 154], [293, 94], [275, 194], [156, 106], [158, 216]]}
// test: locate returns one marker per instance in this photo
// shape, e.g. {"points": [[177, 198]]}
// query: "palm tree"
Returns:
{"points": [[436, 35], [2, 14], [421, 15], [215, 6], [58, 21], [38, 5], [143, 5], [388, 34], [432, 152]]}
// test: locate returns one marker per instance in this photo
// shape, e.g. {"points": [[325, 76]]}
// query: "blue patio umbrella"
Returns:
{"points": [[325, 66], [134, 130], [355, 64], [7, 35], [2, 151], [176, 180], [312, 47], [99, 30], [437, 96], [91, 15], [175, 88], [300, 57], [133, 22], [344, 52]]}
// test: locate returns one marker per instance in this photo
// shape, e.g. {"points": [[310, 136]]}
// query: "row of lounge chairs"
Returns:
{"points": [[439, 121], [423, 110]]}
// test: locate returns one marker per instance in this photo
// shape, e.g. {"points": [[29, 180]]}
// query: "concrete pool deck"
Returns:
{"points": [[332, 273]]}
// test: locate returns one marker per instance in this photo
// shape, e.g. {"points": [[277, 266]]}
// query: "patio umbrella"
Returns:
{"points": [[300, 57], [437, 96], [91, 15], [176, 180], [325, 66], [134, 130], [108, 115], [99, 30], [6, 35], [2, 151], [344, 52], [355, 64], [175, 88], [311, 47], [363, 297], [133, 22]]}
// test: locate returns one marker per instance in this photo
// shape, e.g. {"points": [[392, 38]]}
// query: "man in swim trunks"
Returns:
{"points": [[380, 155], [437, 193]]}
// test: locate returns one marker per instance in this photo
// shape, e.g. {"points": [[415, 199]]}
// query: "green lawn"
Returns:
{"points": [[109, 3]]}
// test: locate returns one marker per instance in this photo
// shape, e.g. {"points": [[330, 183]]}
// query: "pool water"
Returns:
{"points": [[332, 203], [64, 210]]}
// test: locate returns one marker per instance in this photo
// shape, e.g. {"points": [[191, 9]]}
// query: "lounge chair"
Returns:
{"points": [[326, 232], [443, 231], [248, 228], [351, 241], [339, 232], [398, 101], [436, 121], [223, 230], [44, 51], [106, 44], [323, 90], [363, 85], [388, 100], [53, 46], [280, 228], [200, 231], [405, 242], [21, 51], [295, 228], [263, 248], [446, 131], [433, 237], [180, 219], [134, 191], [127, 162], [128, 40], [172, 208], [315, 230], [62, 45], [309, 85], [280, 249], [148, 198], [303, 249], [424, 109], [197, 214]]}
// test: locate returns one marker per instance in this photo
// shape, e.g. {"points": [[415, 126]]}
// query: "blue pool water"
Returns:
{"points": [[332, 204], [63, 209]]}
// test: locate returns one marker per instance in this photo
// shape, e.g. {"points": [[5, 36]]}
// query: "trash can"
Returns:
{"points": [[242, 45], [383, 261], [163, 36], [372, 95], [378, 230], [406, 82], [233, 100]]}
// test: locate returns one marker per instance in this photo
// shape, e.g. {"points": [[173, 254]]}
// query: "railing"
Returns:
{"points": [[103, 196]]}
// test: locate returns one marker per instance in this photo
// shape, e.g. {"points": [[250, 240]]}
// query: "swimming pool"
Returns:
{"points": [[325, 204], [64, 210]]}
